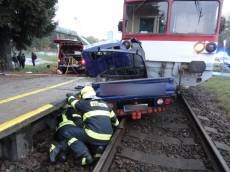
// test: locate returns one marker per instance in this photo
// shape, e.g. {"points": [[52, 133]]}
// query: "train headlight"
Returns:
{"points": [[211, 47], [199, 47]]}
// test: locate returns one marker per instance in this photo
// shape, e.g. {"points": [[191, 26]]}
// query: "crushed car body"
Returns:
{"points": [[115, 60]]}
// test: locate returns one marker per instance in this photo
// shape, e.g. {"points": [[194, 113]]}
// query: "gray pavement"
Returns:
{"points": [[226, 75], [20, 105], [19, 85]]}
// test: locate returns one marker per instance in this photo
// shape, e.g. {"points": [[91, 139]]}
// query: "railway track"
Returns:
{"points": [[170, 141], [219, 164]]}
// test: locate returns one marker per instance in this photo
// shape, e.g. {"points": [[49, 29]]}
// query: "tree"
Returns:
{"points": [[42, 44], [225, 32], [21, 21], [92, 39]]}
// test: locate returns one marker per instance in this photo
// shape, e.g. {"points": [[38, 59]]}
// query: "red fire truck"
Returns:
{"points": [[70, 56]]}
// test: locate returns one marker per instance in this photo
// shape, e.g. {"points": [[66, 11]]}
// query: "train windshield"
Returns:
{"points": [[146, 17], [194, 17]]}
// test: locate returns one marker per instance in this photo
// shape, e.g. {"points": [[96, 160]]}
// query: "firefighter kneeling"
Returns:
{"points": [[92, 126]]}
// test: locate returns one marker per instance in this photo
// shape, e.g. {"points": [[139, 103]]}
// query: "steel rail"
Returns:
{"points": [[107, 157], [218, 162]]}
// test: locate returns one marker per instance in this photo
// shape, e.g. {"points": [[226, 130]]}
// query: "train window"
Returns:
{"points": [[194, 17], [146, 17], [146, 25]]}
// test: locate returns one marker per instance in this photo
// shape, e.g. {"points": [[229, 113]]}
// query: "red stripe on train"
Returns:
{"points": [[172, 37]]}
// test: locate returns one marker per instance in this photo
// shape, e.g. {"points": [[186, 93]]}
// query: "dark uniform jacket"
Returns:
{"points": [[69, 117], [97, 116]]}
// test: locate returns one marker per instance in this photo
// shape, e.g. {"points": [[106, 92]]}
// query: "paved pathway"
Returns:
{"points": [[227, 75], [25, 99]]}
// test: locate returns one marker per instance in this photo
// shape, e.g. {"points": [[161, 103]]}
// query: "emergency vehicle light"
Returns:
{"points": [[168, 101], [160, 101], [83, 61]]}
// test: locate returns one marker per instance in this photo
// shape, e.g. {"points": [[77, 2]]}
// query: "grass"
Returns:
{"points": [[39, 69], [226, 71], [221, 87]]}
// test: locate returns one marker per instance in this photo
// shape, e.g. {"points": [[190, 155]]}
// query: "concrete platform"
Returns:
{"points": [[24, 99]]}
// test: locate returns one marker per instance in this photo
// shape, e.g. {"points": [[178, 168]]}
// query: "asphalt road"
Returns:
{"points": [[22, 97]]}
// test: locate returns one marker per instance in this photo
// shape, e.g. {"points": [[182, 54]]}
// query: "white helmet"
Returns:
{"points": [[88, 92]]}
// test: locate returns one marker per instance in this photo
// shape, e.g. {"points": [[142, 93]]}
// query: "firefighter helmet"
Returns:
{"points": [[88, 92]]}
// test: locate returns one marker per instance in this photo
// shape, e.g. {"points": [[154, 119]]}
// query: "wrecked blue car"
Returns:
{"points": [[115, 60]]}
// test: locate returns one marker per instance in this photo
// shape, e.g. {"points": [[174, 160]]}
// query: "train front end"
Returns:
{"points": [[179, 37]]}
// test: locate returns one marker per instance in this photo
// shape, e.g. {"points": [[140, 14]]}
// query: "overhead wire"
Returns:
{"points": [[199, 10]]}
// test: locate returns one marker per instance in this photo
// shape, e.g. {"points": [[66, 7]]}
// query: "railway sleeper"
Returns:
{"points": [[163, 160]]}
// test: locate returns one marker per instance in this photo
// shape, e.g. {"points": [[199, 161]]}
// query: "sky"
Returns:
{"points": [[226, 7], [96, 17], [90, 17]]}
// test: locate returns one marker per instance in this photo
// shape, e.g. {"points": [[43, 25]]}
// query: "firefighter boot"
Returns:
{"points": [[54, 151], [86, 159], [99, 152]]}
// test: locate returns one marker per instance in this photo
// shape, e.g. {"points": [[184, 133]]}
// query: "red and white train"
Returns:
{"points": [[179, 37]]}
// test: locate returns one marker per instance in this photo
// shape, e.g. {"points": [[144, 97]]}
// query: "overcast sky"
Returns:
{"points": [[90, 17], [96, 17]]}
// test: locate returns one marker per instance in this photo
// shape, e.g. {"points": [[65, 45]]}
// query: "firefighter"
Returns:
{"points": [[68, 124], [97, 120]]}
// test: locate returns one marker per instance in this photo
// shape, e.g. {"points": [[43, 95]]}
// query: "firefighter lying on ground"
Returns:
{"points": [[92, 126]]}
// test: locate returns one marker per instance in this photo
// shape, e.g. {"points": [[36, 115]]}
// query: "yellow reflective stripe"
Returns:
{"points": [[71, 97], [117, 123], [34, 92], [23, 117], [97, 136], [96, 103], [64, 117], [76, 115], [65, 123], [112, 114], [71, 141], [83, 161], [98, 155], [52, 147], [74, 102], [95, 113]]}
